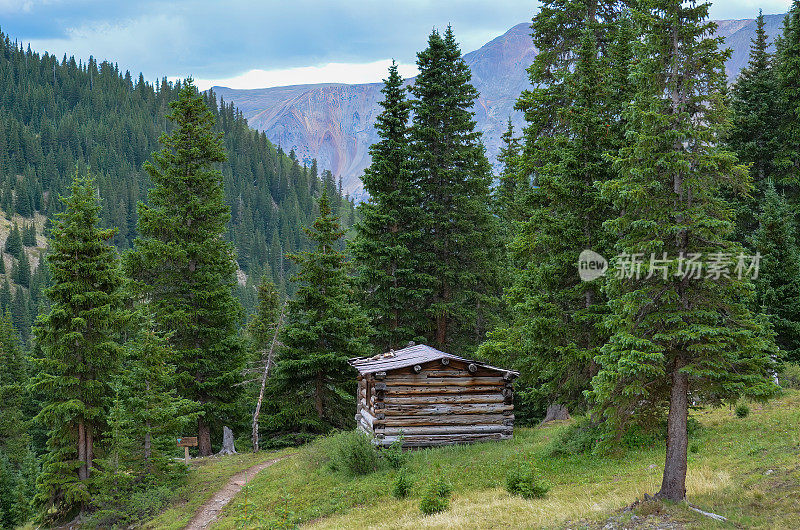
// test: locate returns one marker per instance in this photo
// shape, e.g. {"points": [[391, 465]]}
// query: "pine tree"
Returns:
{"points": [[676, 332], [510, 184], [14, 242], [778, 282], [184, 269], [263, 323], [388, 236], [753, 134], [325, 328], [29, 235], [22, 271], [574, 123], [787, 158], [14, 439], [79, 340], [462, 245]]}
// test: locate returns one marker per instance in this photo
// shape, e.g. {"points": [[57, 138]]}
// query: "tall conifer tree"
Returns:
{"points": [[388, 236], [462, 244], [787, 159], [753, 136], [325, 328], [79, 338], [573, 114], [778, 282], [676, 332], [184, 269]]}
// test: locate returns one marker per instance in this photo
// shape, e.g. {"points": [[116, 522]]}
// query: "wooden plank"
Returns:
{"points": [[433, 399], [449, 381], [187, 441], [442, 389], [445, 429], [445, 409], [444, 439], [454, 419]]}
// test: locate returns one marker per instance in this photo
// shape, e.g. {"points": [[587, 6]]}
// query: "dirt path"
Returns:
{"points": [[208, 512]]}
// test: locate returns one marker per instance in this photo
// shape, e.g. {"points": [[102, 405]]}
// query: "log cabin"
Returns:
{"points": [[427, 397]]}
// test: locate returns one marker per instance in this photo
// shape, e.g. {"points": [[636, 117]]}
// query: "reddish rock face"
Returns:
{"points": [[334, 122]]}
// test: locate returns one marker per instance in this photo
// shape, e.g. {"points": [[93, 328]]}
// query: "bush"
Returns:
{"points": [[580, 437], [394, 454], [790, 375], [742, 410], [525, 484], [353, 453], [694, 448], [436, 498], [402, 485]]}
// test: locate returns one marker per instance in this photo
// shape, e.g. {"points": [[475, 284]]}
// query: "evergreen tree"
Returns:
{"points": [[2, 265], [29, 235], [510, 183], [676, 332], [14, 242], [778, 282], [461, 249], [79, 341], [325, 328], [14, 439], [262, 325], [388, 236], [753, 134], [22, 271], [574, 124], [184, 270], [788, 72]]}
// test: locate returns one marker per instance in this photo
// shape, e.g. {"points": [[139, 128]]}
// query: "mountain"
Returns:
{"points": [[333, 122]]}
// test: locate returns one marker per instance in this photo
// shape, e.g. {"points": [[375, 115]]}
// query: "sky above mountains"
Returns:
{"points": [[251, 43]]}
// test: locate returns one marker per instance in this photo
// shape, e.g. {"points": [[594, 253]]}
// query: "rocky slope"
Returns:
{"points": [[333, 122]]}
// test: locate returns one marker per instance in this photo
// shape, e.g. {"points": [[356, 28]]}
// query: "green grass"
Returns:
{"points": [[207, 476], [729, 474]]}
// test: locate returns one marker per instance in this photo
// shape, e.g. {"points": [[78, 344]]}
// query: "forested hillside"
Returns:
{"points": [[62, 115]]}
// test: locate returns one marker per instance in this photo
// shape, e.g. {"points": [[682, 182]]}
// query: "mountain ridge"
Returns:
{"points": [[333, 122]]}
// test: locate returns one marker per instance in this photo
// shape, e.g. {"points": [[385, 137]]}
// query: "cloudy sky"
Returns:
{"points": [[258, 43]]}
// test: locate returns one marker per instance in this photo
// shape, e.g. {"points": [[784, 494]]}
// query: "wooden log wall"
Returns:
{"points": [[437, 404]]}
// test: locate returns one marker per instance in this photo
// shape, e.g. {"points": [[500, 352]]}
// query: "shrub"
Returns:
{"points": [[742, 410], [394, 454], [437, 497], [580, 437], [694, 448], [353, 453], [790, 375], [525, 484], [402, 485]]}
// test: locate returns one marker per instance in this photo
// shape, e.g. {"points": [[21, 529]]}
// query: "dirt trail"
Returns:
{"points": [[208, 512]]}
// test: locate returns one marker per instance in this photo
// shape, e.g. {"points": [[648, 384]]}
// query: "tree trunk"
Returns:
{"points": [[82, 475], [673, 484], [203, 437]]}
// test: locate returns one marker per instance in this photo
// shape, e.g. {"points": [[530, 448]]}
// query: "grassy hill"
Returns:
{"points": [[746, 469]]}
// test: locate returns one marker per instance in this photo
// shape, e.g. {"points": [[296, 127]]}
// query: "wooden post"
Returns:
{"points": [[186, 443]]}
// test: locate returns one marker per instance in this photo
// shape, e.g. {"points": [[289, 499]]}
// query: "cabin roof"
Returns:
{"points": [[410, 356]]}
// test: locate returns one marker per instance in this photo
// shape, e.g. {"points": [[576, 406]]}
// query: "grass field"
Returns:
{"points": [[747, 470]]}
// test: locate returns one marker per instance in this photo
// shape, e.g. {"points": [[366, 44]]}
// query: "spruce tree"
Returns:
{"points": [[79, 339], [787, 158], [753, 136], [14, 439], [573, 115], [778, 282], [676, 332], [22, 271], [460, 255], [184, 269], [325, 328], [29, 235], [13, 244], [388, 237]]}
